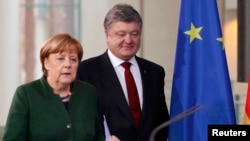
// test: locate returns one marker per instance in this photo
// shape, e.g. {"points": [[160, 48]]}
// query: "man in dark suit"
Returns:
{"points": [[123, 26]]}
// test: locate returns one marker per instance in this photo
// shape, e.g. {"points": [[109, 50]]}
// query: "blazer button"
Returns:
{"points": [[68, 125]]}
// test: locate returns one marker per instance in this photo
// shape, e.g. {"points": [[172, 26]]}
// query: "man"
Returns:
{"points": [[123, 26]]}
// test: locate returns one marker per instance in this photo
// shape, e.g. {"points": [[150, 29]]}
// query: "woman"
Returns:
{"points": [[55, 107]]}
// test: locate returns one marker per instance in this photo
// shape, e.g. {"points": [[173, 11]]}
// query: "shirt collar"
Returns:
{"points": [[117, 61]]}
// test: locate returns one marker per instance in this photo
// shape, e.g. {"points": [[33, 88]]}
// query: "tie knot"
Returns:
{"points": [[126, 65]]}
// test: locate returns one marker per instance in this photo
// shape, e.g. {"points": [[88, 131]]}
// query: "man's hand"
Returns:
{"points": [[114, 138]]}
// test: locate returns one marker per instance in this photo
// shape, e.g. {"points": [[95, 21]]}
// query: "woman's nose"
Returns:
{"points": [[67, 63]]}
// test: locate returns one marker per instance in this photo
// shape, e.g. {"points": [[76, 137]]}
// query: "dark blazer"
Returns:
{"points": [[112, 103], [37, 114]]}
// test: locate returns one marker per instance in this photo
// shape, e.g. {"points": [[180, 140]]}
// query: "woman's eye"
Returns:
{"points": [[60, 58], [74, 59]]}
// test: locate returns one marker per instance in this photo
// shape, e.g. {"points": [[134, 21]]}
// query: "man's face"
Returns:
{"points": [[123, 39]]}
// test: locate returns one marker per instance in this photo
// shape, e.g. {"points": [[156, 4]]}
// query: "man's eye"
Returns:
{"points": [[121, 34], [135, 33]]}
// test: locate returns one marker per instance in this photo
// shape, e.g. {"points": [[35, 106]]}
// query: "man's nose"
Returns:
{"points": [[128, 38]]}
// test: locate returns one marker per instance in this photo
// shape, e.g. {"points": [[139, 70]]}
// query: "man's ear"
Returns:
{"points": [[106, 34]]}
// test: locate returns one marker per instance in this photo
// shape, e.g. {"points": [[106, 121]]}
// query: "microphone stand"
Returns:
{"points": [[174, 119]]}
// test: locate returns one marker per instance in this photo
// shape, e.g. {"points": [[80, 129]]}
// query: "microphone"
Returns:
{"points": [[174, 119]]}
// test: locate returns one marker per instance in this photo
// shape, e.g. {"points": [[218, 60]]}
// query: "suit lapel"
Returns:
{"points": [[146, 89], [113, 86]]}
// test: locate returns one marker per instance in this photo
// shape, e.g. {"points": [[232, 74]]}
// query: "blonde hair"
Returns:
{"points": [[59, 43]]}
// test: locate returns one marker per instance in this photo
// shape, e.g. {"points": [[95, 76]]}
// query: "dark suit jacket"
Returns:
{"points": [[112, 103], [37, 114]]}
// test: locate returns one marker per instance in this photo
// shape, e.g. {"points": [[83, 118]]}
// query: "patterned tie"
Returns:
{"points": [[134, 103]]}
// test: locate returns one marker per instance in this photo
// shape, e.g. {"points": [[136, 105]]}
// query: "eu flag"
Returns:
{"points": [[201, 74]]}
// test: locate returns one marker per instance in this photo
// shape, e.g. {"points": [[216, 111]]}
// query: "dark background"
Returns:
{"points": [[243, 40]]}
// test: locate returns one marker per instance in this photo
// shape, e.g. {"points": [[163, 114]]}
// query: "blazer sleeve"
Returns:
{"points": [[99, 131], [17, 120]]}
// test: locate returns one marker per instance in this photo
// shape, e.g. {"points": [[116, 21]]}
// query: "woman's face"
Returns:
{"points": [[62, 67]]}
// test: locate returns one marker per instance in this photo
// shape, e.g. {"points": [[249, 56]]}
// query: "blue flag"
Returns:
{"points": [[201, 75]]}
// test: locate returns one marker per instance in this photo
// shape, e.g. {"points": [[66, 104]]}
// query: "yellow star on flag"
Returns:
{"points": [[222, 41], [194, 32]]}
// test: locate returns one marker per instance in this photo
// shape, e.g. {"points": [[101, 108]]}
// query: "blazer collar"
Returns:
{"points": [[48, 91]]}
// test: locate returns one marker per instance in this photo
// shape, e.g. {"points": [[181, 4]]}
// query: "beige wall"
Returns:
{"points": [[8, 54], [230, 33]]}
